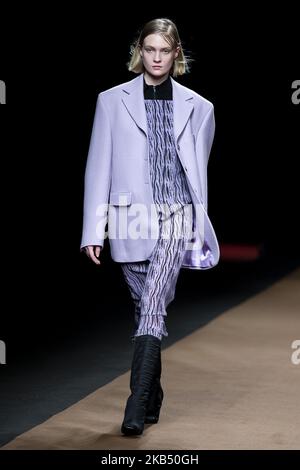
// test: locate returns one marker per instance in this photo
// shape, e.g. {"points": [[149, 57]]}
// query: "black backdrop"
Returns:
{"points": [[54, 64]]}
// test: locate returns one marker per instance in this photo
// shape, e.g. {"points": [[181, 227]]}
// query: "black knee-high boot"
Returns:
{"points": [[156, 395], [156, 398], [144, 370]]}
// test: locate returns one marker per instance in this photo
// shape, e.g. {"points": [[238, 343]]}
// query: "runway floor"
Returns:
{"points": [[229, 384]]}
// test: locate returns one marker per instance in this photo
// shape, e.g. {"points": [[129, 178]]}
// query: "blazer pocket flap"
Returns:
{"points": [[120, 198]]}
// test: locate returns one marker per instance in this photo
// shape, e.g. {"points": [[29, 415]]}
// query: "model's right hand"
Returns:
{"points": [[93, 252]]}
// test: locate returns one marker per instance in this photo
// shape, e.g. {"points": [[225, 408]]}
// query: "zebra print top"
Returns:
{"points": [[168, 178]]}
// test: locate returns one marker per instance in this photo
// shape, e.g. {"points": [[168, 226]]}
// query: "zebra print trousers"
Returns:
{"points": [[152, 282]]}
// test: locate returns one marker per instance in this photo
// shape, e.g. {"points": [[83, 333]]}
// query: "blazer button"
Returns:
{"points": [[185, 168], [178, 147]]}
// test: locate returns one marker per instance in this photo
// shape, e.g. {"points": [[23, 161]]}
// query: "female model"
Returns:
{"points": [[149, 147]]}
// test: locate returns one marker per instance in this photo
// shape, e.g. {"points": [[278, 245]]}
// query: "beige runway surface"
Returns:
{"points": [[229, 385]]}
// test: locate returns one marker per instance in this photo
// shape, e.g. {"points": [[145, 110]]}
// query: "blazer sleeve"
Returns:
{"points": [[97, 178], [204, 141]]}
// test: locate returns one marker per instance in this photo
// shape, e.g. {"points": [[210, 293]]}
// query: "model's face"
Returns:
{"points": [[157, 55]]}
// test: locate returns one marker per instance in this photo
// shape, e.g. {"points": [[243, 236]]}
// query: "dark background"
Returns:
{"points": [[54, 64]]}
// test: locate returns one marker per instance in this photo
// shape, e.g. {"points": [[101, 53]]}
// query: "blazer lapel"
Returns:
{"points": [[183, 106], [133, 99]]}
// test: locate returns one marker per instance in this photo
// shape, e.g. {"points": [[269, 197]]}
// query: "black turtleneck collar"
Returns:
{"points": [[163, 91]]}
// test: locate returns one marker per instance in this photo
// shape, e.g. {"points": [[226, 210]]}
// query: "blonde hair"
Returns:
{"points": [[169, 32]]}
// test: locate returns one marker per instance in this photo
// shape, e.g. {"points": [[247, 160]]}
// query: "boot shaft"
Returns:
{"points": [[146, 362]]}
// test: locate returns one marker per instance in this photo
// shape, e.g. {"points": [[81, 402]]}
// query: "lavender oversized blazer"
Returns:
{"points": [[117, 172]]}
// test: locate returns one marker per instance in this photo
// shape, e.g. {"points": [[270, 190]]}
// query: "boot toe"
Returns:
{"points": [[131, 430]]}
